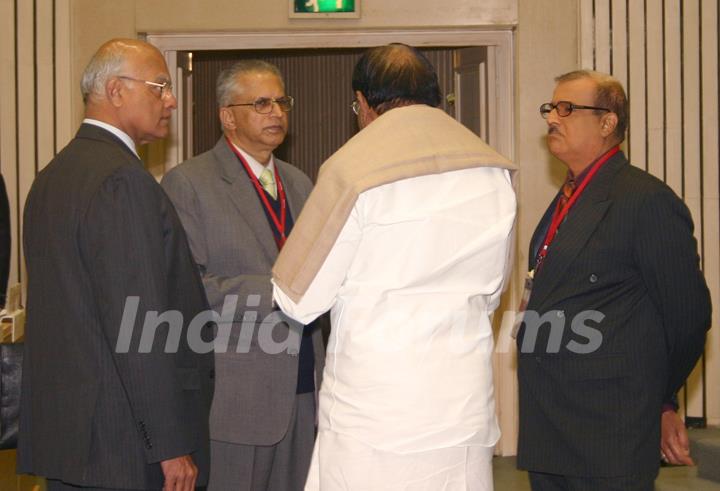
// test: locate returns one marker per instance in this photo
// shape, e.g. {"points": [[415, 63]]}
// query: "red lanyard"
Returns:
{"points": [[279, 222], [560, 214]]}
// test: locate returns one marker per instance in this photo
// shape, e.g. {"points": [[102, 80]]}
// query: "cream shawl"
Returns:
{"points": [[402, 143]]}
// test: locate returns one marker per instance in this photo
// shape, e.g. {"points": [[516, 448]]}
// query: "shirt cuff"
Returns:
{"points": [[671, 405], [668, 407]]}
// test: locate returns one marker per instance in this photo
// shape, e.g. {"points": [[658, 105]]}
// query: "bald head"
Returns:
{"points": [[395, 75], [109, 61]]}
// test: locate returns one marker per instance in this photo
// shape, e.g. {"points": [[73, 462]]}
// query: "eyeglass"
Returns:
{"points": [[264, 105], [164, 88], [355, 106], [565, 108]]}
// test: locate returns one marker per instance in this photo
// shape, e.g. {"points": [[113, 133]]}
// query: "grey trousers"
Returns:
{"points": [[280, 467]]}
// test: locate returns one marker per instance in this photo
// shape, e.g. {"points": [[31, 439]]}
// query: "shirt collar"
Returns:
{"points": [[256, 166], [581, 177], [124, 137]]}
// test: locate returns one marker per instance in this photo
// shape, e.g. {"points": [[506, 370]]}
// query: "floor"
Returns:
{"points": [[508, 478]]}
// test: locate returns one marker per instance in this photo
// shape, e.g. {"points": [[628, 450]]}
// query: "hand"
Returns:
{"points": [[180, 474], [674, 443]]}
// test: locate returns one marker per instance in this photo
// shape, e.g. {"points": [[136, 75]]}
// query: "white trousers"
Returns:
{"points": [[341, 463]]}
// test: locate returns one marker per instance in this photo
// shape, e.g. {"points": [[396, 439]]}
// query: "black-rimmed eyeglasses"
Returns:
{"points": [[163, 89], [264, 105], [565, 108]]}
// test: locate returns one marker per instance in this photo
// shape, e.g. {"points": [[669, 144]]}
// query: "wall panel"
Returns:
{"points": [[671, 76], [673, 97], [29, 126], [637, 141], [710, 221], [8, 122]]}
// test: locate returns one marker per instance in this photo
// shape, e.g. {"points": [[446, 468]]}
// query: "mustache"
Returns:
{"points": [[552, 130]]}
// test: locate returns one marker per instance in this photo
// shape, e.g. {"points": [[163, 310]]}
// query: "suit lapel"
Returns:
{"points": [[243, 195], [538, 236], [577, 229]]}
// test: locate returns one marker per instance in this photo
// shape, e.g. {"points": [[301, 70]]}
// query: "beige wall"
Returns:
{"points": [[91, 23], [231, 15], [547, 45], [94, 21]]}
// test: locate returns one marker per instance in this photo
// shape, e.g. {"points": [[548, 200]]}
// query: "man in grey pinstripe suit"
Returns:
{"points": [[618, 307], [262, 422]]}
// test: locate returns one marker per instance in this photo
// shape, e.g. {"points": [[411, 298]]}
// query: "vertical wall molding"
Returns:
{"points": [[666, 54], [35, 115]]}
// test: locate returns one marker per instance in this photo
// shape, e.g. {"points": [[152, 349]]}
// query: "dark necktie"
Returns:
{"points": [[567, 191]]}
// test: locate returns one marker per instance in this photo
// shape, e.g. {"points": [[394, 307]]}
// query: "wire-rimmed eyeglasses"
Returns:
{"points": [[163, 89], [264, 105], [565, 108]]}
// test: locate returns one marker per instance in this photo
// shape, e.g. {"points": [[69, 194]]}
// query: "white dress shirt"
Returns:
{"points": [[256, 167], [115, 131], [412, 281]]}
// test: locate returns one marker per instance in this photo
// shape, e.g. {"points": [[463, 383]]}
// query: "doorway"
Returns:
{"points": [[475, 68]]}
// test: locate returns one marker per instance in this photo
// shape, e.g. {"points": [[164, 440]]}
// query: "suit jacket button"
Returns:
{"points": [[593, 278]]}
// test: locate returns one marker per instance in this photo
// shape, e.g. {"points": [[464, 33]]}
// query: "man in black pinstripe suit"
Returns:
{"points": [[102, 408], [617, 305]]}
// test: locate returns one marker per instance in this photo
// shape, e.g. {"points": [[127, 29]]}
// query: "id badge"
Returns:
{"points": [[527, 290]]}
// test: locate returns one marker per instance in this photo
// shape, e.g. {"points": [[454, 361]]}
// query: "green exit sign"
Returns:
{"points": [[324, 8]]}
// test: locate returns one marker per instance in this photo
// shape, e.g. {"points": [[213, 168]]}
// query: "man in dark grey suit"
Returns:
{"points": [[237, 203], [618, 307], [112, 397]]}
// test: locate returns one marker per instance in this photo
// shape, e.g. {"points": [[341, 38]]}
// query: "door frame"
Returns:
{"points": [[499, 42]]}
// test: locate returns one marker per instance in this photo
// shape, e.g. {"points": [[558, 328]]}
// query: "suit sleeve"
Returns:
{"points": [[5, 241], [122, 244], [322, 293], [186, 201], [666, 253]]}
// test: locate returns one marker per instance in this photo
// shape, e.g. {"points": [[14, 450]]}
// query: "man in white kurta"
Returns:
{"points": [[406, 240]]}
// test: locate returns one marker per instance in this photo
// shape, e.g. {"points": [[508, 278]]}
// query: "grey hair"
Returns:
{"points": [[106, 63], [227, 82]]}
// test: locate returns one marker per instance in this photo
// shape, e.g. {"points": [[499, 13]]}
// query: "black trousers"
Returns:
{"points": [[552, 482], [55, 485]]}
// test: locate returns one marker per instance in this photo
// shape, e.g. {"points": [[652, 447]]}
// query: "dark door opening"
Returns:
{"points": [[318, 79]]}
